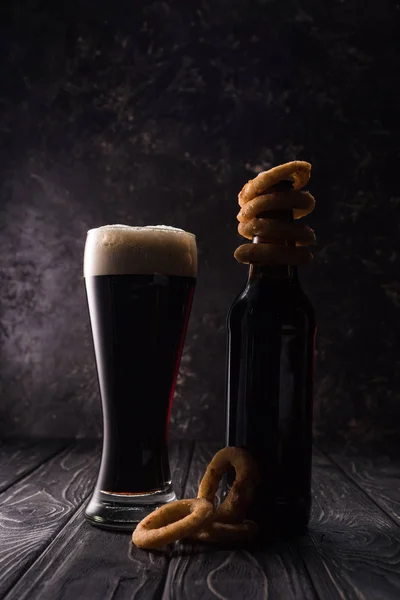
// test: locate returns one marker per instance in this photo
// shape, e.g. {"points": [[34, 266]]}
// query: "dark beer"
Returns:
{"points": [[271, 330], [139, 323]]}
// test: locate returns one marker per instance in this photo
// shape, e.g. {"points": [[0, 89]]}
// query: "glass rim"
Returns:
{"points": [[160, 228]]}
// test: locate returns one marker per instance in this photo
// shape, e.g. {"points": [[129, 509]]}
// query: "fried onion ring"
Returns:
{"points": [[274, 230], [298, 171], [233, 509], [269, 203], [220, 533], [302, 203], [270, 254], [172, 522]]}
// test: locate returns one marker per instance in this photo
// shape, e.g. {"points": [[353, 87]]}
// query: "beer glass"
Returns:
{"points": [[139, 284]]}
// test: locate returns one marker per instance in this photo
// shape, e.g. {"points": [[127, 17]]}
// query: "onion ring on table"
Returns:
{"points": [[271, 254], [172, 522], [298, 171], [274, 230], [219, 533], [302, 204], [233, 509]]}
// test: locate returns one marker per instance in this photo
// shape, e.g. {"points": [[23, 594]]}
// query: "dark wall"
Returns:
{"points": [[158, 112]]}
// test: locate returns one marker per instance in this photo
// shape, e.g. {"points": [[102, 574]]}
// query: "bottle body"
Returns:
{"points": [[271, 333]]}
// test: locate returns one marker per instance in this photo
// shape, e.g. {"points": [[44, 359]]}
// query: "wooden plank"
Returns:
{"points": [[87, 562], [378, 477], [202, 572], [18, 458], [353, 550], [34, 510]]}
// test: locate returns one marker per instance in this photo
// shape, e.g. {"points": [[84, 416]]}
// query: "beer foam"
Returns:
{"points": [[125, 250]]}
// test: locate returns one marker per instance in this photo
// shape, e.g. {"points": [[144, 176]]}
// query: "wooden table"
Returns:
{"points": [[49, 552]]}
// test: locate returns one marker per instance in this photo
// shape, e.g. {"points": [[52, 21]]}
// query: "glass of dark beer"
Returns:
{"points": [[140, 283]]}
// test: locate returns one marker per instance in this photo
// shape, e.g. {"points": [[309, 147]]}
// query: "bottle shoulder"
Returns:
{"points": [[274, 299]]}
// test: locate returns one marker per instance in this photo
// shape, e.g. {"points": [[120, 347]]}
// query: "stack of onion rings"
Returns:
{"points": [[198, 519], [283, 243]]}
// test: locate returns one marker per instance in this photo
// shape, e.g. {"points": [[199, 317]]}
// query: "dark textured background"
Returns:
{"points": [[158, 112]]}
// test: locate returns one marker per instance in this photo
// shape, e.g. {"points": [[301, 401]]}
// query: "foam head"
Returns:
{"points": [[124, 250]]}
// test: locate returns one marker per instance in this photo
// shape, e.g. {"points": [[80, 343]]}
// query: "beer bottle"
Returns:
{"points": [[271, 332]]}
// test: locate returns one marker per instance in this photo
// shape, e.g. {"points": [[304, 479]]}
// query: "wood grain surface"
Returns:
{"points": [[85, 562], [353, 550], [202, 572], [378, 477], [34, 510], [18, 458], [49, 552]]}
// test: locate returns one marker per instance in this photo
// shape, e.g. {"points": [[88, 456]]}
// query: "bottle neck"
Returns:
{"points": [[273, 272], [259, 273]]}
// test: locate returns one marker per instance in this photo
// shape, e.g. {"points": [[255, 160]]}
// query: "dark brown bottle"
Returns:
{"points": [[271, 333]]}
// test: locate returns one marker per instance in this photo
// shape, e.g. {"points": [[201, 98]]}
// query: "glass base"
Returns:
{"points": [[124, 511]]}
